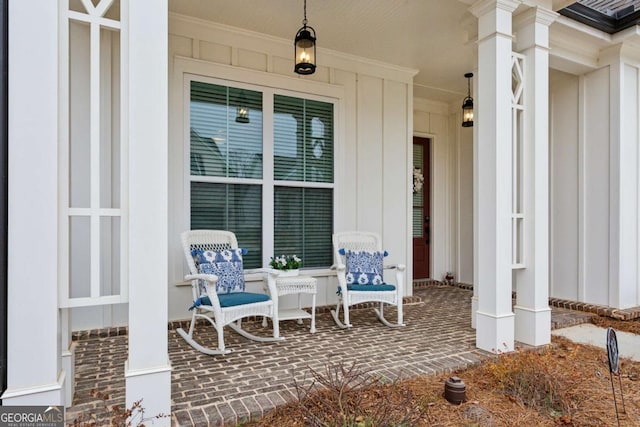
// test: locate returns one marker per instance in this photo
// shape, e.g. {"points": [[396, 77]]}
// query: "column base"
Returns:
{"points": [[475, 303], [533, 326], [69, 366], [495, 333], [153, 386], [48, 394]]}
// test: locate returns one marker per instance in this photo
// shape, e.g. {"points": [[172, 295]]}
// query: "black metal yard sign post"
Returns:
{"points": [[614, 368]]}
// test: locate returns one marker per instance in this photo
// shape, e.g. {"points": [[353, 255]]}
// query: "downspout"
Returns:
{"points": [[4, 175]]}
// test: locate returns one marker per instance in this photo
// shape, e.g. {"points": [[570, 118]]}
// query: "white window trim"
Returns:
{"points": [[187, 70]]}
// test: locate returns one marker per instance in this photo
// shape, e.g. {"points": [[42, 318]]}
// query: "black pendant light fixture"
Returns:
{"points": [[467, 105], [242, 111], [242, 114], [305, 47]]}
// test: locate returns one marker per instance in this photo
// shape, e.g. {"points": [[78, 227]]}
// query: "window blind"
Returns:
{"points": [[221, 146], [304, 224], [232, 207], [303, 140], [224, 147]]}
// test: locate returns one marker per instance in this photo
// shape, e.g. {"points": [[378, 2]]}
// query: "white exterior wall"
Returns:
{"points": [[589, 185], [624, 62], [595, 188], [564, 188], [579, 135], [372, 135], [431, 120], [451, 188], [627, 291]]}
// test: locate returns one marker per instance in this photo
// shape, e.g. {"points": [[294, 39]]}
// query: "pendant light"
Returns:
{"points": [[467, 105], [242, 111], [305, 47], [242, 114]]}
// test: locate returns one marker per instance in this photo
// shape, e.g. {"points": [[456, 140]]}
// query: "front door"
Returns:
{"points": [[421, 207]]}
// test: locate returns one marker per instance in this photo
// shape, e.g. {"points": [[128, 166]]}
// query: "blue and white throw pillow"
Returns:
{"points": [[364, 267], [226, 264]]}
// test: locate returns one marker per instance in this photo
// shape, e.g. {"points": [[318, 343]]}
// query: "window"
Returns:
{"points": [[281, 205]]}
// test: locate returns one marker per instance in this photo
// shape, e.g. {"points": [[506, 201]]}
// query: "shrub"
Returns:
{"points": [[528, 378], [348, 396]]}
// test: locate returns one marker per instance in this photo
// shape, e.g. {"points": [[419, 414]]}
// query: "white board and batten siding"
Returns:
{"points": [[594, 183], [372, 137]]}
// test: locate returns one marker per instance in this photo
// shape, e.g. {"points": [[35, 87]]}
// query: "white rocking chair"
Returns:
{"points": [[355, 293], [225, 308]]}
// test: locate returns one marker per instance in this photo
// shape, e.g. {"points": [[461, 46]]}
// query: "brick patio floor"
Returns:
{"points": [[227, 390]]}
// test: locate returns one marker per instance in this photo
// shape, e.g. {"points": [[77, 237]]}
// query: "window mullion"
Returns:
{"points": [[268, 177]]}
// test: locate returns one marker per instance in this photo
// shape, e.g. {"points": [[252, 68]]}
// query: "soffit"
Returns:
{"points": [[610, 16], [429, 35]]}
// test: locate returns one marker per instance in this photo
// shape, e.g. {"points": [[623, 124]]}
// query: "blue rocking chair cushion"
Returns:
{"points": [[364, 267], [382, 287], [227, 265], [232, 299]]}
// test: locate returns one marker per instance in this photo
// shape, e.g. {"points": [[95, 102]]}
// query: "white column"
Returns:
{"points": [[494, 318], [624, 185], [34, 374], [476, 120], [147, 370], [533, 315]]}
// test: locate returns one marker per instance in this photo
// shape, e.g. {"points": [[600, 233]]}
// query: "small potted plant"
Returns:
{"points": [[288, 264]]}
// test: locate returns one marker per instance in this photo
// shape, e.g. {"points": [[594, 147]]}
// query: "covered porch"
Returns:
{"points": [[257, 377], [517, 203]]}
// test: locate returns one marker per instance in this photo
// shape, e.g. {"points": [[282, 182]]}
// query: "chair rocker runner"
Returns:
{"points": [[360, 269], [217, 280]]}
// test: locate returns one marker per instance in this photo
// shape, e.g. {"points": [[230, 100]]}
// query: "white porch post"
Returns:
{"points": [[476, 118], [147, 370], [624, 182], [494, 318], [533, 315], [34, 374]]}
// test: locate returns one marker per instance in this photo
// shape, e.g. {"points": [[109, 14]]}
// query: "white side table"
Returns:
{"points": [[298, 285]]}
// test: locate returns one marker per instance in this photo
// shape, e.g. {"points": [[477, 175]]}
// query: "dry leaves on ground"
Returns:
{"points": [[561, 384]]}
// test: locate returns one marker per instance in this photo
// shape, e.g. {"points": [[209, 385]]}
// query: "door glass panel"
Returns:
{"points": [[418, 190]]}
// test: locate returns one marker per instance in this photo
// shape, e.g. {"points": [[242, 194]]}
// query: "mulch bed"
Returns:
{"points": [[561, 384]]}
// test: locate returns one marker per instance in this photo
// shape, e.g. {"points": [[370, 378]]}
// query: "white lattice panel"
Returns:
{"points": [[93, 228], [517, 161]]}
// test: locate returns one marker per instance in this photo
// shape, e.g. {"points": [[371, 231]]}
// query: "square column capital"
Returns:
{"points": [[532, 27], [535, 15], [494, 17], [483, 7]]}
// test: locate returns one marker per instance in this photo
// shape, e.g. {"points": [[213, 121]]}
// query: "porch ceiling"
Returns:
{"points": [[428, 35], [436, 37]]}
